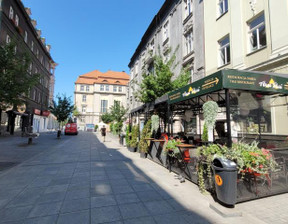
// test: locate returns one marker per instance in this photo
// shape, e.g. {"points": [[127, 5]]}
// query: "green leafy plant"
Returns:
{"points": [[146, 133], [128, 135], [210, 110], [134, 136], [111, 127], [172, 149], [205, 157], [96, 127], [204, 136]]}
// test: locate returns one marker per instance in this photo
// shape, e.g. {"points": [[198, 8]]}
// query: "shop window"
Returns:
{"points": [[257, 33]]}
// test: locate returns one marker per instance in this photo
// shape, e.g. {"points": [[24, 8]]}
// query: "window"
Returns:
{"points": [[189, 42], [16, 20], [30, 68], [83, 109], [25, 36], [188, 8], [41, 59], [104, 104], [87, 88], [39, 97], [32, 45], [11, 13], [37, 53], [120, 89], [34, 95], [81, 88], [166, 31], [101, 87], [84, 98], [114, 88], [224, 51], [257, 33], [107, 88], [8, 39], [223, 7]]}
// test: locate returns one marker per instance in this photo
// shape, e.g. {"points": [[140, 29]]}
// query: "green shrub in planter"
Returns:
{"points": [[134, 136], [128, 135], [146, 133]]}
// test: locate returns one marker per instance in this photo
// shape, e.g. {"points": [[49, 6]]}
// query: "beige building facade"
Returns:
{"points": [[96, 92]]}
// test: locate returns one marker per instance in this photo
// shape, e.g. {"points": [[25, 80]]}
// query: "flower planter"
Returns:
{"points": [[132, 149], [143, 155]]}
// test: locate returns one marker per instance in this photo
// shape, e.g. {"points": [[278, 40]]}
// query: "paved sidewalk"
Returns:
{"points": [[80, 179]]}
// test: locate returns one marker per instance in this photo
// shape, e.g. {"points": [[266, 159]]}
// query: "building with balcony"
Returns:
{"points": [[95, 92], [18, 26]]}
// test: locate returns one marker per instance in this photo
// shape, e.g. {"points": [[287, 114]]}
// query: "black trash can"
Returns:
{"points": [[225, 174]]}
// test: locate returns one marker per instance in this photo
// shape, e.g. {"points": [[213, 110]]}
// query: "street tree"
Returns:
{"points": [[62, 110], [161, 80], [118, 113], [106, 118], [16, 79]]}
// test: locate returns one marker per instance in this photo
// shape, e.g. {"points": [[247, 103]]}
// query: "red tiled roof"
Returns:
{"points": [[109, 77]]}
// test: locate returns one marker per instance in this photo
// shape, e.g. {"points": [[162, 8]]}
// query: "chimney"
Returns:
{"points": [[34, 22], [48, 47], [39, 32], [43, 40], [28, 11]]}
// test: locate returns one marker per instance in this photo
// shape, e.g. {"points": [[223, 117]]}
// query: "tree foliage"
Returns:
{"points": [[15, 79], [62, 108], [162, 81], [106, 118], [118, 112]]}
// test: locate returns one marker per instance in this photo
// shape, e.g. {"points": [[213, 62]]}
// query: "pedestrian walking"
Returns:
{"points": [[103, 132]]}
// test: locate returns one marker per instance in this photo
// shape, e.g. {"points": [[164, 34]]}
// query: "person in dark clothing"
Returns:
{"points": [[103, 132]]}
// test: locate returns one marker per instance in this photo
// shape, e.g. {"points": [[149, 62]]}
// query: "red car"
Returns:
{"points": [[71, 129]]}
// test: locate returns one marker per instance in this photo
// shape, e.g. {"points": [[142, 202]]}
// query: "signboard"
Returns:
{"points": [[203, 86], [255, 82], [37, 112], [45, 113], [231, 79]]}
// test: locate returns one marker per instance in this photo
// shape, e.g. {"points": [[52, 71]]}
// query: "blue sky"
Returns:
{"points": [[91, 34]]}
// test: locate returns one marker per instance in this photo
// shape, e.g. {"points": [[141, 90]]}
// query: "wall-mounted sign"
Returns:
{"points": [[45, 113], [37, 112]]}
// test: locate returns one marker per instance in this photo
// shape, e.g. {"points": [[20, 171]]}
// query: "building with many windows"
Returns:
{"points": [[95, 92], [177, 28], [17, 25]]}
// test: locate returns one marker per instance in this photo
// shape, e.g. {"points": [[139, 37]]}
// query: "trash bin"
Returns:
{"points": [[225, 174]]}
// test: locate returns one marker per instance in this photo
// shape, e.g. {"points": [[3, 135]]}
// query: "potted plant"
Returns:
{"points": [[144, 143], [171, 148], [133, 143]]}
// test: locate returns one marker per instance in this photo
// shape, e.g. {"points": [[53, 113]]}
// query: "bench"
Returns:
{"points": [[30, 135]]}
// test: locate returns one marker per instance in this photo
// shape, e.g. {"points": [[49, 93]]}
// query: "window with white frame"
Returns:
{"points": [[188, 8], [104, 105], [30, 68], [166, 31], [101, 87], [16, 20], [8, 39], [84, 97], [25, 36], [257, 33], [189, 42], [81, 88], [106, 87], [114, 88], [84, 109], [222, 7], [11, 13], [120, 89], [224, 51], [87, 88]]}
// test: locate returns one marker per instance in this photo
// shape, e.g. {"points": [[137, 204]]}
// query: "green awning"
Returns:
{"points": [[232, 79]]}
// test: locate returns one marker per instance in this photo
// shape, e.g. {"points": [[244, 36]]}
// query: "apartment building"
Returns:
{"points": [[95, 92], [246, 34], [177, 27], [17, 25]]}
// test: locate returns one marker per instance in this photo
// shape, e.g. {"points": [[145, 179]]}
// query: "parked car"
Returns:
{"points": [[71, 129]]}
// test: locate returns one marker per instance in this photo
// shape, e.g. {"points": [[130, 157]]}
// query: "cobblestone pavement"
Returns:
{"points": [[80, 179]]}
